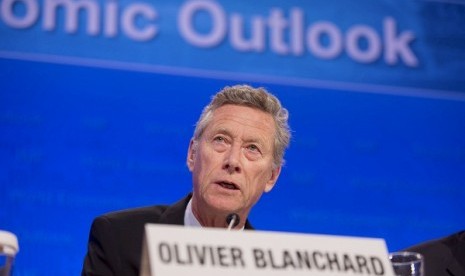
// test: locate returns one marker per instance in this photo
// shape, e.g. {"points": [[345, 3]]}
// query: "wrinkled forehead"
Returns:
{"points": [[243, 115], [243, 120]]}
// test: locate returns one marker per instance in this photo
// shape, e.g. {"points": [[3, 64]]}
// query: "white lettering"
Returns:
{"points": [[72, 9], [32, 13], [277, 26], [206, 24], [297, 31], [398, 45], [111, 19], [129, 17], [334, 37], [186, 23], [136, 12], [256, 42], [373, 49]]}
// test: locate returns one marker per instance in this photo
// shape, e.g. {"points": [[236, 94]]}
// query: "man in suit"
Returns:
{"points": [[235, 155], [444, 256]]}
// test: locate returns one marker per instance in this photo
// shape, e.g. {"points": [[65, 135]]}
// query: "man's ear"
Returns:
{"points": [[191, 154], [272, 181]]}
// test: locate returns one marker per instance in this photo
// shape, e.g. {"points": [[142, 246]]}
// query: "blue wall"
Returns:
{"points": [[99, 119]]}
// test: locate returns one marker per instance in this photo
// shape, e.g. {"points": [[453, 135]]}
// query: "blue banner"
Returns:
{"points": [[416, 44]]}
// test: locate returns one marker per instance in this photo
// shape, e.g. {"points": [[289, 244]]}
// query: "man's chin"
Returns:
{"points": [[224, 205]]}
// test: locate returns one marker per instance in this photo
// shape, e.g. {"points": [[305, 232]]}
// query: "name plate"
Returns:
{"points": [[178, 250]]}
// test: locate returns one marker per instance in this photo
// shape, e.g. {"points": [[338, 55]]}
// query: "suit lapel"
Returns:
{"points": [[454, 268], [174, 214], [456, 245]]}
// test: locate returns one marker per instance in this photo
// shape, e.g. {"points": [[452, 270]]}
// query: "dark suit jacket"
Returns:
{"points": [[443, 257], [115, 239]]}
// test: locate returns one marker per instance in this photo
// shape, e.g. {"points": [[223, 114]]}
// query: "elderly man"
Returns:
{"points": [[235, 155]]}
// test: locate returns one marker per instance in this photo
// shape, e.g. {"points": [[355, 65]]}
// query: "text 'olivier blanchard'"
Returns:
{"points": [[291, 260]]}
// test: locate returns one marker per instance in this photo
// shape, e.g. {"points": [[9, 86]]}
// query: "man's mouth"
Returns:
{"points": [[228, 185]]}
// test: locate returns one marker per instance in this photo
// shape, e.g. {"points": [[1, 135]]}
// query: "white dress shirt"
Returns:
{"points": [[190, 219]]}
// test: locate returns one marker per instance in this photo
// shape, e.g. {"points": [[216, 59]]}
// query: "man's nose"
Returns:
{"points": [[232, 160]]}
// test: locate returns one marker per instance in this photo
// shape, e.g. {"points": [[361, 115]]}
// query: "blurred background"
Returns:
{"points": [[98, 101]]}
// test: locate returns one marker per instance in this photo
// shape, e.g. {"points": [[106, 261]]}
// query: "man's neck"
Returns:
{"points": [[203, 220]]}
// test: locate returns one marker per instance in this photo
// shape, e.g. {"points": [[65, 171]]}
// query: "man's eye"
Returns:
{"points": [[219, 139], [253, 148]]}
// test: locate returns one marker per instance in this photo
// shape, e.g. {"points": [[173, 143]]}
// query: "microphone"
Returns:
{"points": [[232, 220]]}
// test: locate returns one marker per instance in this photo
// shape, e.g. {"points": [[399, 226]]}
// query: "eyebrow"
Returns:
{"points": [[221, 130], [225, 131]]}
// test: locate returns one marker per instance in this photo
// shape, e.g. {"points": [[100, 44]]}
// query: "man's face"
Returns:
{"points": [[232, 162]]}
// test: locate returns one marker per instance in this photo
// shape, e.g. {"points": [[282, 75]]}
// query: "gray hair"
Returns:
{"points": [[259, 98]]}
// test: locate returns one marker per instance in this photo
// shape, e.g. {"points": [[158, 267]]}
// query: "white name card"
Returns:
{"points": [[178, 250]]}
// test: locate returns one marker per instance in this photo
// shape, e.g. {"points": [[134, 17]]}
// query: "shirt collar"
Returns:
{"points": [[189, 218]]}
